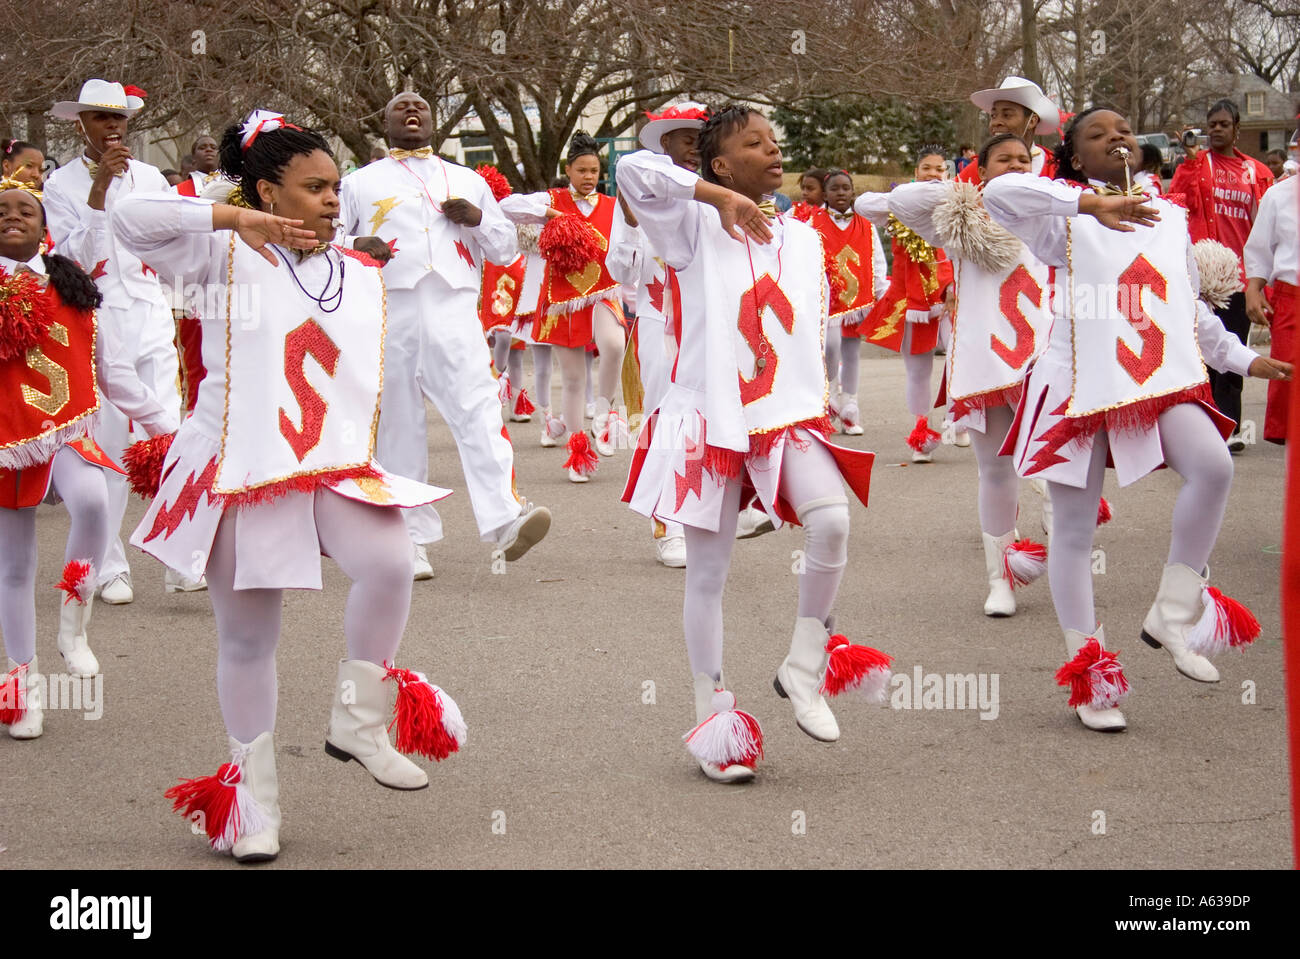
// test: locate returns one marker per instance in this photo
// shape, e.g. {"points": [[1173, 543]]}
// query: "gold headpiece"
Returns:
{"points": [[9, 183]]}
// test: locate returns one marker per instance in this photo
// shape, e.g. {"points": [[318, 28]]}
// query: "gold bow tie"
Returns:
{"points": [[93, 167], [41, 279], [318, 248], [589, 197], [419, 153], [1108, 190], [841, 217], [209, 177], [768, 208]]}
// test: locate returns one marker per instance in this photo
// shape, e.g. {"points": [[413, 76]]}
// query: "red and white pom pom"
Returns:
{"points": [[728, 737], [25, 314], [503, 388], [1104, 513], [78, 581], [1024, 561], [1095, 677], [144, 462], [582, 458], [13, 695], [523, 405], [1224, 624], [922, 438], [496, 181], [569, 243], [856, 668], [428, 721], [224, 803], [803, 212]]}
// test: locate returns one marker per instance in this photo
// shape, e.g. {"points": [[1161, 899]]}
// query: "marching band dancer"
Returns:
{"points": [[855, 255], [580, 307], [1000, 323], [78, 200], [53, 359], [1123, 381], [745, 417], [441, 223], [276, 468]]}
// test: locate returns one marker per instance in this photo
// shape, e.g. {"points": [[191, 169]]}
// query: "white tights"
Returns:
{"points": [[999, 487], [811, 482], [542, 374], [919, 367], [369, 543], [842, 356], [574, 376], [83, 489], [508, 361], [1192, 448]]}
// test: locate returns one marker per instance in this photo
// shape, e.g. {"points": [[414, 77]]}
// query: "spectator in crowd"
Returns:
{"points": [[173, 176], [965, 156], [1275, 160], [1222, 188], [377, 152]]}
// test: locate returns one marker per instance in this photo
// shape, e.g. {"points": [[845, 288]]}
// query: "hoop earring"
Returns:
{"points": [[271, 211]]}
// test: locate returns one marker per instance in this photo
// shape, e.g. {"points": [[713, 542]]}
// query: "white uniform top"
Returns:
{"points": [[1272, 251], [82, 233], [402, 200], [115, 369]]}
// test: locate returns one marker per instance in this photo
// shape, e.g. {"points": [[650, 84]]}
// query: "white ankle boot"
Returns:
{"points": [[1096, 681], [1178, 607], [850, 417], [553, 429], [74, 617], [1002, 598], [259, 776], [799, 679], [716, 750], [359, 727], [32, 723]]}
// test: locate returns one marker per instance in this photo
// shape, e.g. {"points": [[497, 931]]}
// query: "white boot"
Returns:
{"points": [[174, 582], [1106, 719], [421, 568], [359, 727], [1178, 606], [850, 417], [32, 723], [799, 679], [705, 687], [258, 774], [1002, 599], [74, 616], [553, 429]]}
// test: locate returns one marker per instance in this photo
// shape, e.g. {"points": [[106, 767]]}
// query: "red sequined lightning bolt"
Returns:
{"points": [[463, 250], [99, 270], [392, 244], [169, 518], [1053, 439], [691, 482]]}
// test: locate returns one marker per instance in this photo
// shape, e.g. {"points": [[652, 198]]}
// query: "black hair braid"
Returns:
{"points": [[582, 144], [266, 158], [930, 149], [1064, 152], [996, 140], [73, 284], [721, 123]]}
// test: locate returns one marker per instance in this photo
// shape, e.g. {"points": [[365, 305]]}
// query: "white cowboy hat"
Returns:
{"points": [[1026, 93], [101, 95], [683, 116]]}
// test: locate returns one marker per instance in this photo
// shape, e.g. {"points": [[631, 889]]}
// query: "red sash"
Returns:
{"points": [[573, 291], [47, 396], [498, 298], [851, 252]]}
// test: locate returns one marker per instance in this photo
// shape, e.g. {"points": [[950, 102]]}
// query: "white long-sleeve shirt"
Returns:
{"points": [[1036, 210], [1272, 251]]}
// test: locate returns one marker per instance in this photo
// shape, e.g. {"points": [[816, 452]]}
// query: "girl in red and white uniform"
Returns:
{"points": [[275, 468], [1000, 323], [855, 256], [1123, 382], [745, 417], [53, 358], [906, 318], [1271, 255], [580, 307]]}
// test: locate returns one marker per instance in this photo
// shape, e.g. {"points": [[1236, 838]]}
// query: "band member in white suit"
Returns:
{"points": [[78, 199], [440, 221], [1000, 324], [276, 468], [745, 417], [1123, 381], [636, 266]]}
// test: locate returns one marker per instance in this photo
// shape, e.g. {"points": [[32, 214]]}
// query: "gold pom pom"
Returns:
{"points": [[916, 248]]}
